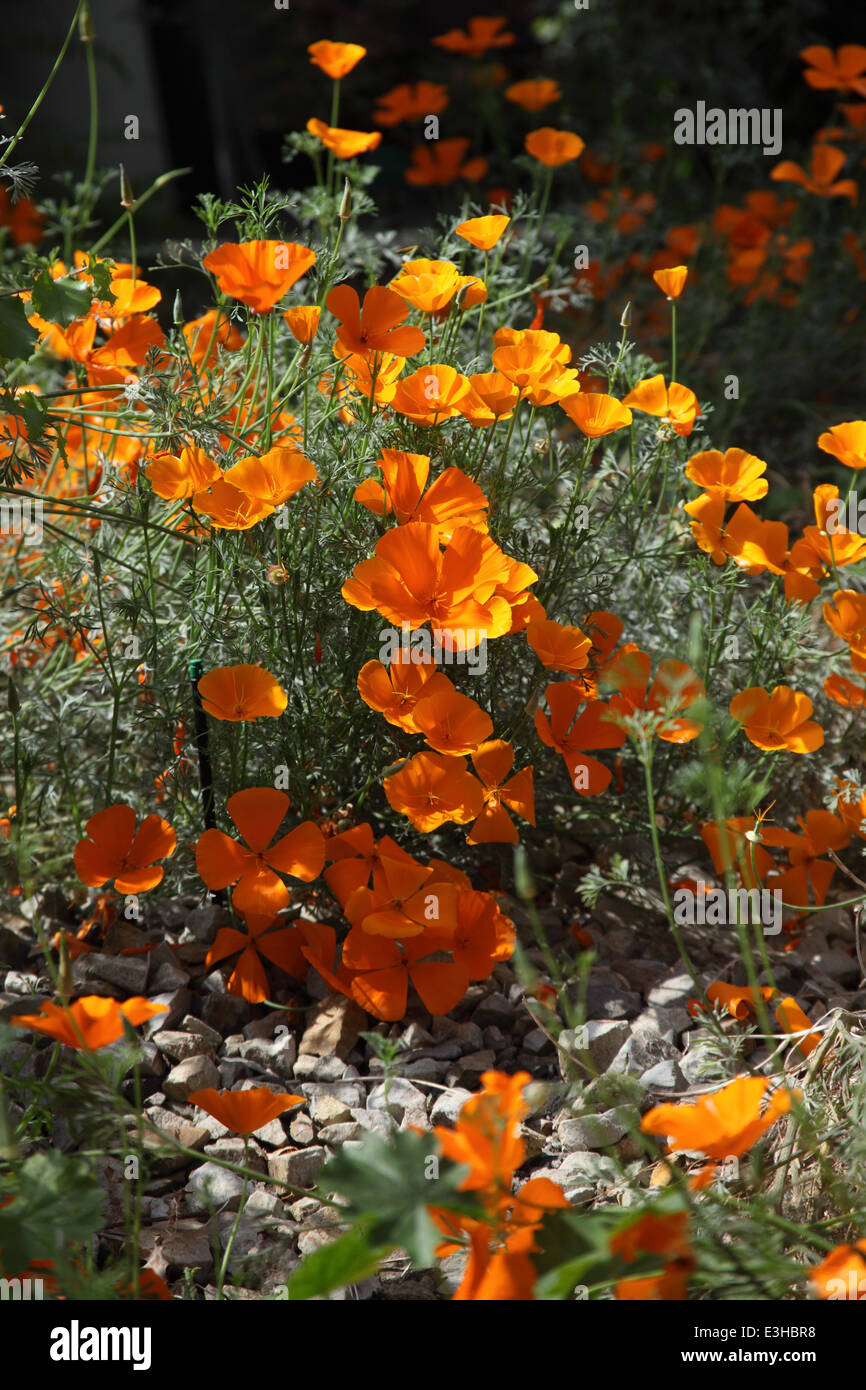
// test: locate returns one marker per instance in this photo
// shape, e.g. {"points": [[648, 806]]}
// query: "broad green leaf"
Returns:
{"points": [[347, 1260], [17, 337], [61, 301]]}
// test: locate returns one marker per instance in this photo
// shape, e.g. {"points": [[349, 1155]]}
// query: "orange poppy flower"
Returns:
{"points": [[22, 217], [606, 630], [404, 903], [282, 946], [431, 789], [809, 877], [374, 376], [375, 327], [483, 232], [844, 692], [721, 1125], [571, 736], [303, 321], [258, 273], [335, 59], [271, 478], [410, 101], [674, 403], [525, 354], [846, 442], [427, 285], [534, 95], [410, 579], [430, 395], [729, 849], [206, 334], [442, 162], [792, 1019], [554, 147], [243, 1112], [846, 616], [826, 162], [558, 646], [174, 477], [230, 509], [842, 71], [241, 693], [675, 687], [739, 1000], [672, 280], [656, 1234], [450, 722], [344, 144], [491, 397], [842, 1273], [825, 545], [452, 498], [734, 475], [113, 849], [257, 813], [394, 691], [382, 969], [480, 34], [596, 414], [493, 762], [777, 720], [90, 1022]]}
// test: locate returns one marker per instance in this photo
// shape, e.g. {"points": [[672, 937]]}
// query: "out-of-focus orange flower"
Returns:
{"points": [[844, 692], [734, 475], [206, 334], [842, 1273], [674, 403], [675, 687], [258, 273], [493, 763], [174, 477], [654, 1233], [344, 144], [483, 232], [554, 147], [534, 95], [596, 414], [442, 162], [721, 1125], [241, 693], [739, 1000], [243, 1112], [451, 499], [90, 1022], [375, 328], [266, 936], [303, 321], [25, 222], [821, 180], [729, 849], [335, 59], [430, 395], [257, 812], [792, 1019], [480, 34], [846, 442], [846, 616], [672, 281], [410, 102], [114, 849], [777, 720], [433, 788], [842, 71]]}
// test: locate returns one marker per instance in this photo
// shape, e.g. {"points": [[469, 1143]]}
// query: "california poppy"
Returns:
{"points": [[113, 849], [442, 162], [228, 508], [572, 736], [493, 763], [427, 285], [674, 687], [431, 789], [430, 395], [483, 232], [243, 1112], [491, 397], [375, 328], [842, 71], [846, 442], [271, 478], [558, 646], [554, 147], [450, 721], [792, 1019], [335, 59], [723, 1124], [258, 273], [257, 813], [777, 720], [303, 321], [241, 693], [179, 476], [735, 475], [451, 499], [674, 403], [596, 414], [395, 690], [90, 1022], [672, 280], [480, 34], [826, 163], [410, 102], [344, 144], [534, 95]]}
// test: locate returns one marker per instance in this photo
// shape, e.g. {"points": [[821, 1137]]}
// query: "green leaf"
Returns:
{"points": [[61, 300], [17, 337], [55, 1200], [389, 1186], [347, 1260]]}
